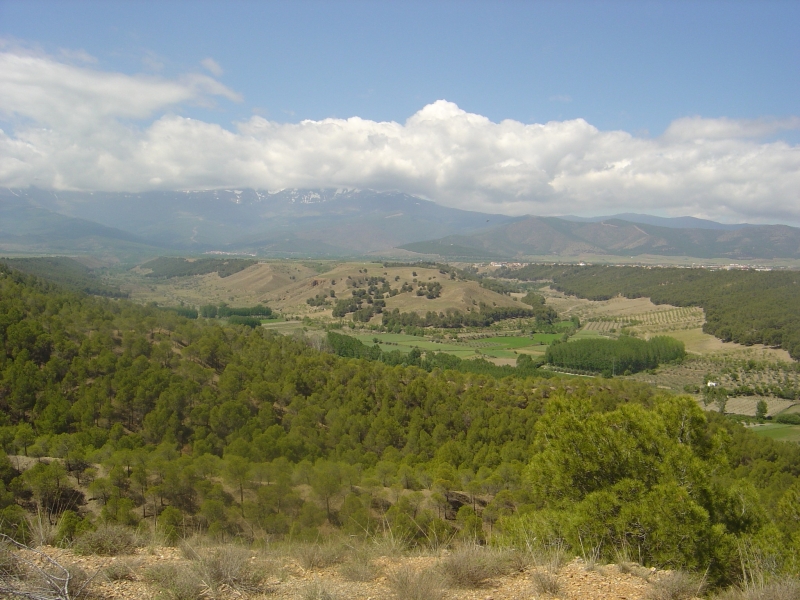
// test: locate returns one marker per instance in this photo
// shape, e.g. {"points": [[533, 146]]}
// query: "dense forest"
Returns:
{"points": [[744, 306], [168, 267], [196, 426], [66, 272], [622, 356]]}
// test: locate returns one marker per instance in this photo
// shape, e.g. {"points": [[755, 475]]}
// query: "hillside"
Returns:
{"points": [[548, 236], [27, 229], [287, 286], [144, 418]]}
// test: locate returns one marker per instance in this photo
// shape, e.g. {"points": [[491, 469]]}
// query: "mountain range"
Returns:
{"points": [[342, 223], [551, 236], [324, 222]]}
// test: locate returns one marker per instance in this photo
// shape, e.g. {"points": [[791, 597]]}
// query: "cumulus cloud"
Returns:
{"points": [[81, 128]]}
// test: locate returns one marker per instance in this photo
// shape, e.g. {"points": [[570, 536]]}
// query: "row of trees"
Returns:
{"points": [[455, 319], [168, 267]]}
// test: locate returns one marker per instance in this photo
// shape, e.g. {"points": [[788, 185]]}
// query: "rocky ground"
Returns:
{"points": [[281, 575]]}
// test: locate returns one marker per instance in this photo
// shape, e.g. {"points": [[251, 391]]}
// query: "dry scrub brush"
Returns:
{"points": [[786, 589], [409, 584], [470, 566], [677, 585], [33, 575], [107, 540], [214, 573]]}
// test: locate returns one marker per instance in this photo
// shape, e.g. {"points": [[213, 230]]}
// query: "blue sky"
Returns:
{"points": [[634, 67]]}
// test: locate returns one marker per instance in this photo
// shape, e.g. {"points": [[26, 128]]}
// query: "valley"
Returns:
{"points": [[286, 286]]}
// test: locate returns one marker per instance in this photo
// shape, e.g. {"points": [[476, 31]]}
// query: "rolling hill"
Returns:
{"points": [[542, 236]]}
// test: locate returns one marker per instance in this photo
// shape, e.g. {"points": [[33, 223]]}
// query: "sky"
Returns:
{"points": [[589, 108]]}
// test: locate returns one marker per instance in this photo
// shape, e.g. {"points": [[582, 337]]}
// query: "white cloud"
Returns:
{"points": [[212, 66], [71, 129]]}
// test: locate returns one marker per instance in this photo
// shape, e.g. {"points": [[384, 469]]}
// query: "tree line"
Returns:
{"points": [[455, 319], [167, 267], [624, 355]]}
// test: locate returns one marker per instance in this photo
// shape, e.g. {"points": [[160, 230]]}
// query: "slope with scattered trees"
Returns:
{"points": [[196, 426]]}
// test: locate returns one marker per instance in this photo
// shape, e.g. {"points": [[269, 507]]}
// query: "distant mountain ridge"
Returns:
{"points": [[670, 222], [351, 222], [320, 222], [552, 236]]}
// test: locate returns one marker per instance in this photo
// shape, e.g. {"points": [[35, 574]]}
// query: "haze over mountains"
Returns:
{"points": [[332, 223], [551, 236]]}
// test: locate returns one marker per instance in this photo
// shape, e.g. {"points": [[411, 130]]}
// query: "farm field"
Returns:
{"points": [[779, 432], [501, 347]]}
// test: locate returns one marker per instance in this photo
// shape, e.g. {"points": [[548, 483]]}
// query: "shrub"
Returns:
{"points": [[107, 540], [470, 566], [676, 585], [122, 570], [408, 584], [317, 591], [319, 556], [176, 583], [545, 582], [787, 589], [228, 567], [359, 569]]}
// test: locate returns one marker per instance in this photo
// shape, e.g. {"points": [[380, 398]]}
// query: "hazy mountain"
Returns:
{"points": [[671, 222], [542, 236], [24, 228], [332, 222], [350, 222]]}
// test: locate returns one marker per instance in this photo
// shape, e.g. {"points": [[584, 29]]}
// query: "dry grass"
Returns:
{"points": [[318, 591], [174, 582], [29, 573], [319, 556], [122, 570], [787, 589], [545, 582], [228, 568], [107, 540], [471, 566], [410, 584], [217, 573], [676, 585], [359, 568]]}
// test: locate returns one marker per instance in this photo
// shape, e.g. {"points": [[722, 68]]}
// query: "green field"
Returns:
{"points": [[779, 432], [495, 347]]}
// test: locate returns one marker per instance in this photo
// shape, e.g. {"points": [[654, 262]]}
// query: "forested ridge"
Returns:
{"points": [[66, 272], [744, 306], [240, 432]]}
